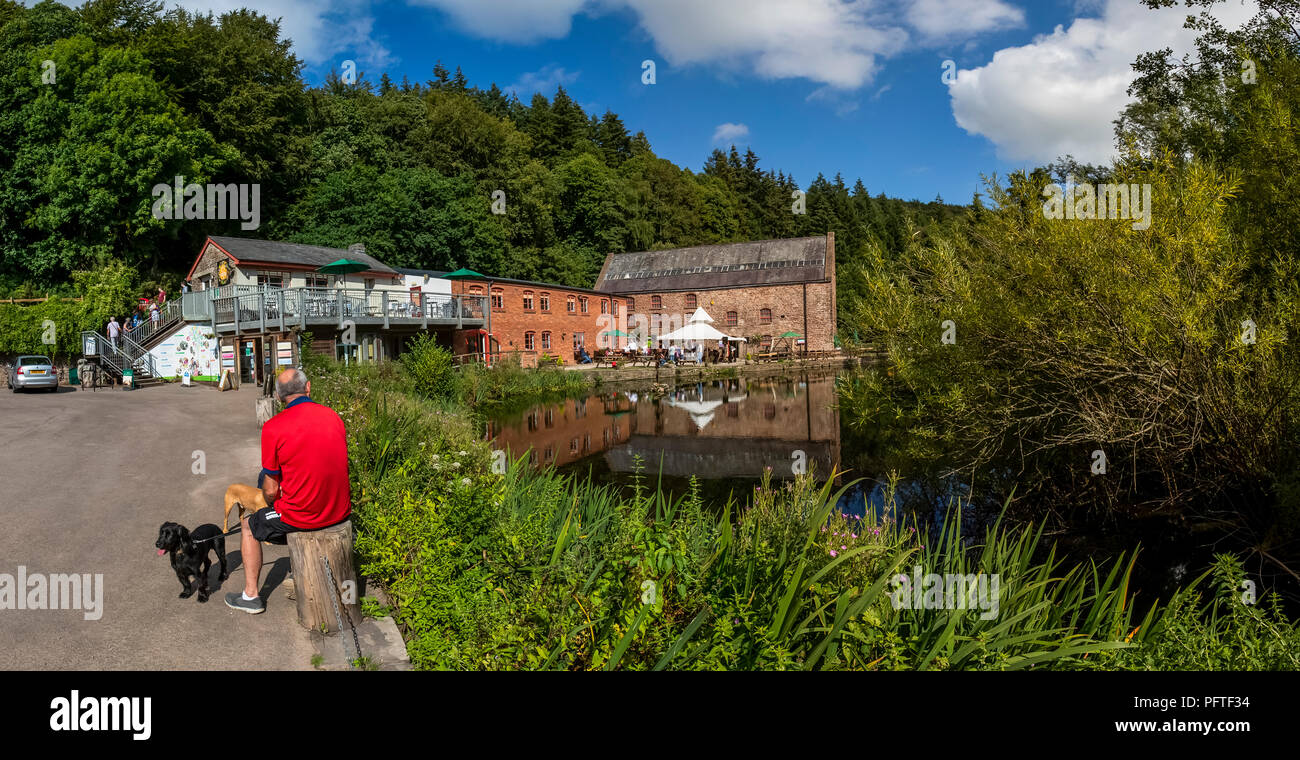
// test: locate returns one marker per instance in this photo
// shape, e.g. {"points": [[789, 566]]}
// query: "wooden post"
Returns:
{"points": [[264, 407], [311, 586]]}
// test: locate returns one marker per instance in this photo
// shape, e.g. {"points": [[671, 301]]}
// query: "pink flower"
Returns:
{"points": [[842, 548], [834, 553], [855, 535]]}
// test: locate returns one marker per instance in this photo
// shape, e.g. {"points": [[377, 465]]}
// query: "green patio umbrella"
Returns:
{"points": [[790, 334], [344, 267], [616, 334], [463, 273]]}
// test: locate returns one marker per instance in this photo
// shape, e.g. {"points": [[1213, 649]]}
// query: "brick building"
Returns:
{"points": [[535, 319], [757, 290]]}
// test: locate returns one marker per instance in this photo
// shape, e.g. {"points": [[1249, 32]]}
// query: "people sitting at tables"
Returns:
{"points": [[583, 357]]}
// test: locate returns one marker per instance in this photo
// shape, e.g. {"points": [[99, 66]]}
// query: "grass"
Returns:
{"points": [[533, 570]]}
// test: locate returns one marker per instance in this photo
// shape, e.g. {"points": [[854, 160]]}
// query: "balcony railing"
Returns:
{"points": [[298, 307]]}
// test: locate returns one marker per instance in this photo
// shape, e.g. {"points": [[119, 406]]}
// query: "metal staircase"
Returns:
{"points": [[126, 354]]}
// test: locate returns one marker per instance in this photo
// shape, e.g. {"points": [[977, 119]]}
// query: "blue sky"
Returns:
{"points": [[850, 86]]}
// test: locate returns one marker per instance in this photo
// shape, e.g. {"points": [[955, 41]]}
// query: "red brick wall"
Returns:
{"points": [[512, 322], [785, 301]]}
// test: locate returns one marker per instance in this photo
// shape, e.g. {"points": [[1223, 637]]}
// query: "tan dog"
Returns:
{"points": [[246, 498]]}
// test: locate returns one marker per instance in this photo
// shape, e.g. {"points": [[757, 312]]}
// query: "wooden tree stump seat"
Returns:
{"points": [[316, 597]]}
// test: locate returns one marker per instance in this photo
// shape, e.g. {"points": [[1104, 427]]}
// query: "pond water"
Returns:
{"points": [[724, 432], [727, 433]]}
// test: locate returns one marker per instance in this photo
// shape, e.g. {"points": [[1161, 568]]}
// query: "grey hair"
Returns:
{"points": [[290, 382]]}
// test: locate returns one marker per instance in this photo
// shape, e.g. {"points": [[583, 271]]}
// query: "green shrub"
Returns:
{"points": [[431, 367]]}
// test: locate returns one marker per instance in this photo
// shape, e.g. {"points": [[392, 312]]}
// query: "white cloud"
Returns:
{"points": [[518, 21], [323, 31], [1061, 93], [939, 20], [545, 80], [838, 43], [725, 133]]}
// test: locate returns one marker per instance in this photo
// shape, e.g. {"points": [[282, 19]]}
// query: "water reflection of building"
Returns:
{"points": [[718, 429], [736, 428], [566, 432]]}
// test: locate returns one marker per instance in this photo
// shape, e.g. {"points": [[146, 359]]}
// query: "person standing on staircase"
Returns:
{"points": [[113, 330]]}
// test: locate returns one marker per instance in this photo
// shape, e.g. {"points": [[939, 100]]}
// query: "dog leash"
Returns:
{"points": [[222, 535]]}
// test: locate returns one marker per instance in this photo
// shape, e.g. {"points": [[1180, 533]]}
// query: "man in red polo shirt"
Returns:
{"points": [[304, 479]]}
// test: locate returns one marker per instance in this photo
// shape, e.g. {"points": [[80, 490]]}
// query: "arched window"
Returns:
{"points": [[530, 341], [615, 307], [604, 306], [631, 304], [765, 316], [528, 300], [573, 304], [546, 341], [656, 302], [733, 319], [690, 301], [583, 303], [545, 298]]}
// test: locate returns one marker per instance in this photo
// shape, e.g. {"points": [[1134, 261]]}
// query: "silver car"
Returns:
{"points": [[33, 372]]}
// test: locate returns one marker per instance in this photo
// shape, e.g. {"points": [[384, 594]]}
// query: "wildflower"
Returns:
{"points": [[855, 535], [842, 548], [455, 465], [465, 481], [834, 553], [435, 457], [463, 453], [875, 531]]}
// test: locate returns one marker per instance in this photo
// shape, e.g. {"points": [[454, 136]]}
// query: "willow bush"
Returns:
{"points": [[1161, 348]]}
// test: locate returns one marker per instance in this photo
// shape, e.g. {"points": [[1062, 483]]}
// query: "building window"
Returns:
{"points": [[370, 283], [583, 303], [765, 316], [604, 306], [546, 341], [546, 301], [656, 302], [498, 299], [572, 304], [656, 323], [616, 308], [528, 300], [317, 280], [690, 301], [270, 280], [579, 340], [631, 304], [573, 446], [476, 290], [766, 343], [530, 340], [733, 319]]}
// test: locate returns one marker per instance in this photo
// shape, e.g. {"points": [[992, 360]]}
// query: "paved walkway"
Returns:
{"points": [[86, 478]]}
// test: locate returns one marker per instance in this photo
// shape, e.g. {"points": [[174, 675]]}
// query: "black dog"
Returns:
{"points": [[191, 558]]}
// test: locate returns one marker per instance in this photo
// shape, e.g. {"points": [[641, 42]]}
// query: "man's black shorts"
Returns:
{"points": [[265, 525]]}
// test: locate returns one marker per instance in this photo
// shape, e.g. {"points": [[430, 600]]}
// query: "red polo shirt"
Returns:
{"points": [[305, 447]]}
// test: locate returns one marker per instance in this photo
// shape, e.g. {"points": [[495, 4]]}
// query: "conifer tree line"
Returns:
{"points": [[140, 94]]}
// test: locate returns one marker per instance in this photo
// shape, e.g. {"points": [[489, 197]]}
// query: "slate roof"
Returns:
{"points": [[728, 265], [419, 272], [273, 252]]}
